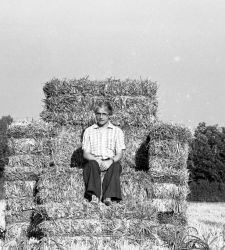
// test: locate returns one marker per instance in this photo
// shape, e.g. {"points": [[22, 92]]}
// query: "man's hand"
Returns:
{"points": [[106, 164]]}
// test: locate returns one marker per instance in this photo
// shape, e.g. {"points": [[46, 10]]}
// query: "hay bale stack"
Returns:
{"points": [[71, 103], [168, 153], [29, 154], [64, 214]]}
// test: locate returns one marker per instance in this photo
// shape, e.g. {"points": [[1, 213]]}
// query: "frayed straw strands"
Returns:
{"points": [[86, 210], [29, 160], [28, 146], [19, 189], [16, 217], [21, 173], [30, 129], [109, 87]]}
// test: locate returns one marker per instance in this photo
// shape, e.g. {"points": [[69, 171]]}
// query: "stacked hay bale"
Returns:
{"points": [[134, 102], [168, 153], [65, 219], [29, 154]]}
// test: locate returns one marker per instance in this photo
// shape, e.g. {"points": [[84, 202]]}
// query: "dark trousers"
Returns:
{"points": [[111, 183]]}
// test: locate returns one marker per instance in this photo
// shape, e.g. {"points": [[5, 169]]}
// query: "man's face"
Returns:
{"points": [[102, 116]]}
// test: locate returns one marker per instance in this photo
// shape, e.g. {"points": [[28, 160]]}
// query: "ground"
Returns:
{"points": [[208, 219]]}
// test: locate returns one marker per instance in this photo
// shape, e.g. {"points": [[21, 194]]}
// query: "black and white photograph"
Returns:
{"points": [[112, 124]]}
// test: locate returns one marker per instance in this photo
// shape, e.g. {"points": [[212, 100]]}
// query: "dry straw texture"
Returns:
{"points": [[73, 102], [30, 129], [61, 184], [103, 243], [28, 146], [16, 217], [21, 173], [19, 189], [168, 153], [28, 160], [16, 231]]}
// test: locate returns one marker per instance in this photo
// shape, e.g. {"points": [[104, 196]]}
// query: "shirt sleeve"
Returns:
{"points": [[120, 142], [86, 144]]}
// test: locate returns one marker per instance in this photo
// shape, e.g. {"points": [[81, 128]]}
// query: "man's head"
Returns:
{"points": [[102, 112]]}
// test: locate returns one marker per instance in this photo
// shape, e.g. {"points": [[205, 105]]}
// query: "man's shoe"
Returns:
{"points": [[108, 201], [95, 199]]}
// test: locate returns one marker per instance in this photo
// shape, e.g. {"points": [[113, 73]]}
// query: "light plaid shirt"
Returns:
{"points": [[103, 142]]}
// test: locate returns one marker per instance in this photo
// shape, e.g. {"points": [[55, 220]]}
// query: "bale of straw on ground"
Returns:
{"points": [[38, 161], [88, 242], [21, 173], [19, 189], [108, 87]]}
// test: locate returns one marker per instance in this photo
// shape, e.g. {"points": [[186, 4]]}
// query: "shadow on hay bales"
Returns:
{"points": [[77, 159], [142, 156]]}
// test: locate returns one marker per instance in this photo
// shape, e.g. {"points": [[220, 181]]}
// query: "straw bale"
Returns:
{"points": [[62, 184], [18, 189], [170, 191], [178, 177], [30, 129], [167, 164], [86, 210], [21, 173], [176, 219], [28, 146], [108, 87], [94, 242], [39, 161], [97, 227], [166, 205], [80, 104], [16, 231], [87, 118], [136, 186], [18, 216], [66, 147], [168, 149], [20, 204], [166, 131]]}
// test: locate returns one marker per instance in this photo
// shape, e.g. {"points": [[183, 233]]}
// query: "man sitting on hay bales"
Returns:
{"points": [[103, 146]]}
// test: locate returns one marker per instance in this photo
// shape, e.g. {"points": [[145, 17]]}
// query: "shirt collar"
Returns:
{"points": [[110, 125]]}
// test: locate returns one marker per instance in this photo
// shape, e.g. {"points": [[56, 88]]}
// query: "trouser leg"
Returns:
{"points": [[111, 182], [92, 179]]}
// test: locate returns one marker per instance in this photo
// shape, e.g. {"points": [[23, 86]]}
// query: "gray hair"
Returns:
{"points": [[104, 104]]}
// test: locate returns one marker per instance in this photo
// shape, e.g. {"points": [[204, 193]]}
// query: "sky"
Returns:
{"points": [[180, 44]]}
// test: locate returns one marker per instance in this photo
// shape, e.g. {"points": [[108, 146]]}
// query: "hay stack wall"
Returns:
{"points": [[29, 155], [65, 218], [168, 153], [71, 103]]}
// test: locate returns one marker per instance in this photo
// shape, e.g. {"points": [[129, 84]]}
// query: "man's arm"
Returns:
{"points": [[88, 156]]}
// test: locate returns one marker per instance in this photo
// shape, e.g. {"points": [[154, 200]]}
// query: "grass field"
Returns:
{"points": [[208, 219]]}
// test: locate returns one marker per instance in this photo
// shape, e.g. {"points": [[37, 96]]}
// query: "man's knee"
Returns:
{"points": [[117, 167], [93, 164]]}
